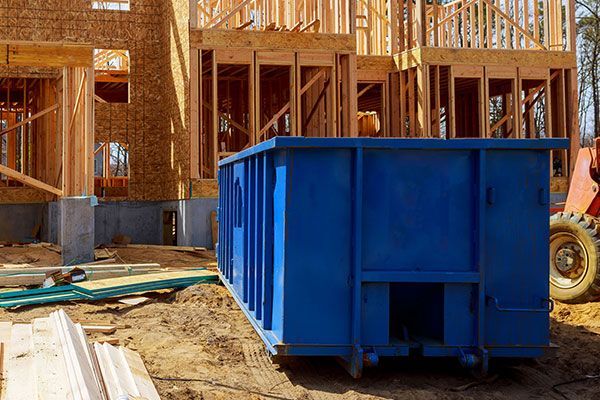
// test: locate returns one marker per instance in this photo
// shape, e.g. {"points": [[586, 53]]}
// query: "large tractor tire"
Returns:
{"points": [[574, 257]]}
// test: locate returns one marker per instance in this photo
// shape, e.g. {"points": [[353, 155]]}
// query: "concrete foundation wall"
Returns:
{"points": [[18, 221], [142, 221]]}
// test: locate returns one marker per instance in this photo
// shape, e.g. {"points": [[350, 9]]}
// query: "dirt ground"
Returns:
{"points": [[197, 344]]}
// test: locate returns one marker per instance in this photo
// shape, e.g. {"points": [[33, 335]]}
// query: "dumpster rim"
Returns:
{"points": [[283, 142]]}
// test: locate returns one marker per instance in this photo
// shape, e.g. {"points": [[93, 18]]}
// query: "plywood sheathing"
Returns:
{"points": [[21, 195], [176, 98], [157, 143]]}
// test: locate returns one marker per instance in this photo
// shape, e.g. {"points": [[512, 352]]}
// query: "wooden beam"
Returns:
{"points": [[230, 14], [45, 54], [225, 117], [317, 102], [274, 119], [501, 122], [365, 90], [268, 40], [486, 57], [29, 181], [312, 81], [315, 23], [30, 119], [77, 101]]}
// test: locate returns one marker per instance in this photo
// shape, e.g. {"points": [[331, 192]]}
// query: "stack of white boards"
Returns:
{"points": [[51, 359]]}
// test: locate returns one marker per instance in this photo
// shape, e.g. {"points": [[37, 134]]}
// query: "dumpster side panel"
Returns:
{"points": [[318, 246], [418, 210], [240, 264], [516, 243]]}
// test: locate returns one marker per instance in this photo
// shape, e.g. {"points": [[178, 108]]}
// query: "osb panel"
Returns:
{"points": [[204, 188], [20, 195], [212, 38], [177, 90], [29, 72], [46, 54], [559, 184], [155, 121], [376, 63]]}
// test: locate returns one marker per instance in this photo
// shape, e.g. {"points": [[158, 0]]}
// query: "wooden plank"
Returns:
{"points": [[483, 57], [141, 378], [141, 279], [46, 54], [35, 279], [316, 59], [30, 119], [19, 371], [276, 57], [116, 374], [8, 269], [50, 370], [466, 71], [29, 181], [262, 40], [501, 72], [5, 331], [237, 56], [80, 370], [107, 329], [534, 73], [192, 249]]}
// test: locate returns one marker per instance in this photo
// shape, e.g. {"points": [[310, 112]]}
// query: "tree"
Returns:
{"points": [[588, 27]]}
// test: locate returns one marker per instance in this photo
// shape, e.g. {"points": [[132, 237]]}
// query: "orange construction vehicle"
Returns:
{"points": [[575, 234]]}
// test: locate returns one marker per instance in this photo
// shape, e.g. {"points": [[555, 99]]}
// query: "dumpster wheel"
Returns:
{"points": [[574, 257]]}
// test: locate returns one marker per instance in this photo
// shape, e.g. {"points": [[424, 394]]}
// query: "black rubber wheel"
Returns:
{"points": [[574, 257]]}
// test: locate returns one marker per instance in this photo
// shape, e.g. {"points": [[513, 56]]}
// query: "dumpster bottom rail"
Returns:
{"points": [[355, 358]]}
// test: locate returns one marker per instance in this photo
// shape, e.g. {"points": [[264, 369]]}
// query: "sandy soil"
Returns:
{"points": [[199, 334]]}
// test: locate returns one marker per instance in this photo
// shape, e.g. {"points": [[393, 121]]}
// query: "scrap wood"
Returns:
{"points": [[35, 276], [107, 288], [107, 329], [137, 383], [190, 249], [103, 254], [52, 247], [134, 300], [55, 355]]}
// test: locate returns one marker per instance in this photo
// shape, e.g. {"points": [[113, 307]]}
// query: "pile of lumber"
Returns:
{"points": [[13, 275], [107, 288], [51, 358], [199, 251]]}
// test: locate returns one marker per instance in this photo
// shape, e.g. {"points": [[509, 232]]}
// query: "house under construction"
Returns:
{"points": [[114, 114]]}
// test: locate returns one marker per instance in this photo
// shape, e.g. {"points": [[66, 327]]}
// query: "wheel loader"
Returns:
{"points": [[575, 234]]}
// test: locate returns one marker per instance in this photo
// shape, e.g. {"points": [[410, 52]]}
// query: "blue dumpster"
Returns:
{"points": [[369, 248]]}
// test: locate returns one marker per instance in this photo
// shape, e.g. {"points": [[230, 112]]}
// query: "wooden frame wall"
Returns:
{"points": [[301, 92], [62, 131]]}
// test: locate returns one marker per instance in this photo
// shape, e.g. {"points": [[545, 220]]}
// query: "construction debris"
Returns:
{"points": [[202, 251], [104, 254], [106, 288], [51, 358], [35, 276]]}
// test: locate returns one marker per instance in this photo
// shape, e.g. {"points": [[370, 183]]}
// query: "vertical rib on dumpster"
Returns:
{"points": [[481, 211], [357, 222], [267, 233]]}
